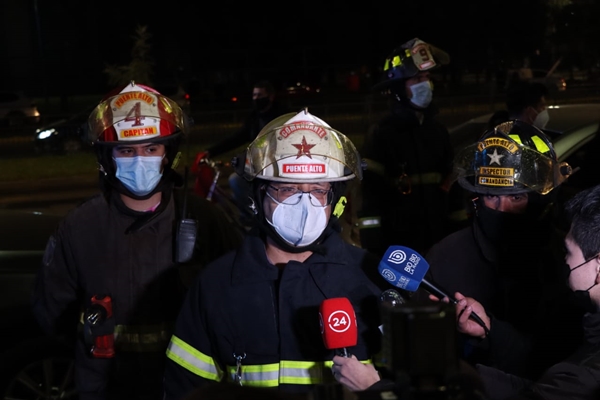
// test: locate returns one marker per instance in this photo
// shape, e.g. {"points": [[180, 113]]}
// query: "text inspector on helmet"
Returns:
{"points": [[513, 157]]}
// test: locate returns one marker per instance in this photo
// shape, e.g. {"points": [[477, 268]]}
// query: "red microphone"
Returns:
{"points": [[338, 325]]}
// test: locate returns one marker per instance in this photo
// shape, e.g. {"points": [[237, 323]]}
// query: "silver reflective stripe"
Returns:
{"points": [[286, 372], [193, 360], [301, 372], [266, 375]]}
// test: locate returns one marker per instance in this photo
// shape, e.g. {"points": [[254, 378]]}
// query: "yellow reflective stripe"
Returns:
{"points": [[266, 375], [301, 372], [286, 372], [193, 360], [516, 138], [369, 222], [539, 143], [396, 61], [141, 338]]}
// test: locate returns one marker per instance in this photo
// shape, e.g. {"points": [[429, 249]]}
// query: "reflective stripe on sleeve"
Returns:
{"points": [[193, 360]]}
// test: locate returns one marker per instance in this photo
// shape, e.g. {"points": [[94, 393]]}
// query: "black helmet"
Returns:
{"points": [[408, 59], [513, 157]]}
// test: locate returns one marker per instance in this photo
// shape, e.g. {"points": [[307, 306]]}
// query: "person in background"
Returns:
{"points": [[116, 269], [252, 316], [525, 101], [265, 107], [577, 376], [509, 258], [409, 157]]}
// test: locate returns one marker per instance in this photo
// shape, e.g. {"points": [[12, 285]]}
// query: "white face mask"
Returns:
{"points": [[541, 120], [139, 174], [422, 94], [299, 224]]}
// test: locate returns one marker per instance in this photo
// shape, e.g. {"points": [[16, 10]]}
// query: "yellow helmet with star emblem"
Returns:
{"points": [[301, 148], [513, 157]]}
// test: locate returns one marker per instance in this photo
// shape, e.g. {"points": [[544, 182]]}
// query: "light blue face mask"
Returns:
{"points": [[422, 94], [139, 174]]}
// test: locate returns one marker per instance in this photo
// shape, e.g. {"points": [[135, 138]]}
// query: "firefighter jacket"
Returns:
{"points": [[403, 198], [575, 377], [518, 282], [244, 310], [103, 248]]}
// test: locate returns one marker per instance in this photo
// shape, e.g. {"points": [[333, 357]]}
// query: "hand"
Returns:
{"points": [[353, 374], [464, 308]]}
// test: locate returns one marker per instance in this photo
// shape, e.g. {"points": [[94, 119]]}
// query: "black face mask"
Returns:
{"points": [[506, 227], [581, 297], [261, 103]]}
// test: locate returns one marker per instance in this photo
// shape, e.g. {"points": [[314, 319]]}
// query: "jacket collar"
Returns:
{"points": [[251, 264]]}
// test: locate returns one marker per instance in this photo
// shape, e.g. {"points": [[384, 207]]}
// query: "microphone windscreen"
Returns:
{"points": [[403, 267], [338, 323]]}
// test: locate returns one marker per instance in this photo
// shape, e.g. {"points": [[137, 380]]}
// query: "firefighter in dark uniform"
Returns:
{"points": [[409, 154], [115, 271], [509, 258], [252, 317]]}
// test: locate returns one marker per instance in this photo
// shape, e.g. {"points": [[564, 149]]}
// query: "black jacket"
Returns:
{"points": [[416, 158], [577, 377], [521, 289], [103, 248], [243, 305]]}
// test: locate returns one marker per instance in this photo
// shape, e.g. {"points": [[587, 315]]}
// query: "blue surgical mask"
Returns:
{"points": [[422, 94], [139, 174]]}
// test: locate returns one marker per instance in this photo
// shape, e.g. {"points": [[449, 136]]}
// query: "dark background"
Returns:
{"points": [[60, 47]]}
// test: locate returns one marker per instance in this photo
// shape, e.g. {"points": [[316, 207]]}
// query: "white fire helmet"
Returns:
{"points": [[301, 148], [135, 113]]}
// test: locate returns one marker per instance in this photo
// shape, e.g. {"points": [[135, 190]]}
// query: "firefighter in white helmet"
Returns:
{"points": [[252, 317]]}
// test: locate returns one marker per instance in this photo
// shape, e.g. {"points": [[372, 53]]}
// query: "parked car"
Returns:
{"points": [[574, 131], [17, 109], [32, 365], [64, 136]]}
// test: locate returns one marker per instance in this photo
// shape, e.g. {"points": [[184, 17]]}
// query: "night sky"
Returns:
{"points": [[228, 40]]}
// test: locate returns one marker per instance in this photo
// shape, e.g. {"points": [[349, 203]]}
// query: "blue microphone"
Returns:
{"points": [[405, 268]]}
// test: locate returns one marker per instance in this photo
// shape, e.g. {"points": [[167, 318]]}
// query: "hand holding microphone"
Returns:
{"points": [[406, 269]]}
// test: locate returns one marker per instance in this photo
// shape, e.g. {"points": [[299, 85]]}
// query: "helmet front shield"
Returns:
{"points": [[302, 149], [499, 166], [135, 116]]}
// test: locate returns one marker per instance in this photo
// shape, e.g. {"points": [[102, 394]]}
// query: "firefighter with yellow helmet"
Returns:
{"points": [[252, 317]]}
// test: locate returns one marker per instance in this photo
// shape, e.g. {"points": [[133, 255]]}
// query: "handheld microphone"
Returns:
{"points": [[338, 325], [406, 269]]}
